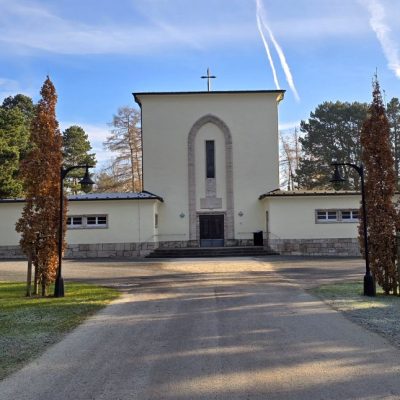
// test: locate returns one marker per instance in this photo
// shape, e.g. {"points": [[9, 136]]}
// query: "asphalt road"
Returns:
{"points": [[219, 329]]}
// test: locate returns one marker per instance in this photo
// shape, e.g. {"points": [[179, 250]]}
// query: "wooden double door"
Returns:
{"points": [[211, 230]]}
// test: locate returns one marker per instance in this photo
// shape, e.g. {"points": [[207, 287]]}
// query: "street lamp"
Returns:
{"points": [[86, 184], [369, 284]]}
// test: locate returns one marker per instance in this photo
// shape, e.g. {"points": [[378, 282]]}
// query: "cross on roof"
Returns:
{"points": [[208, 77]]}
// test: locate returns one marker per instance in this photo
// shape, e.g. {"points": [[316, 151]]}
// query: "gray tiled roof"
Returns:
{"points": [[102, 196], [287, 193]]}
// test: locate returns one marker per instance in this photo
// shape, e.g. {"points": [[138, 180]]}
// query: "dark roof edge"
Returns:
{"points": [[152, 194], [106, 199], [137, 100], [302, 194]]}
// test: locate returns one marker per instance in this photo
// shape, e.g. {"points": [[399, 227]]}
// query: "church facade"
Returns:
{"points": [[211, 174], [210, 155]]}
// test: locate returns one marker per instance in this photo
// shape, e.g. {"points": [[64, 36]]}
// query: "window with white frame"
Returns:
{"points": [[96, 220], [339, 215], [74, 221], [349, 215], [87, 221], [327, 215]]}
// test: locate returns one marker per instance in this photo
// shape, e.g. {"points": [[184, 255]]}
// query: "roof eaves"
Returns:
{"points": [[279, 193]]}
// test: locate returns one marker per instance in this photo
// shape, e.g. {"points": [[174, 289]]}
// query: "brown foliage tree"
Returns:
{"points": [[380, 182], [125, 140], [40, 171]]}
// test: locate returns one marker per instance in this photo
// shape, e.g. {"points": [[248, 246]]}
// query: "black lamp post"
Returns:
{"points": [[369, 284], [86, 184]]}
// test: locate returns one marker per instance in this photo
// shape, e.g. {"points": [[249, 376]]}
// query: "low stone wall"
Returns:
{"points": [[99, 250], [307, 247], [11, 252], [316, 247]]}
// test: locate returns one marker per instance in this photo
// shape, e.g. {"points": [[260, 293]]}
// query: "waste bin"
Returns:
{"points": [[258, 238]]}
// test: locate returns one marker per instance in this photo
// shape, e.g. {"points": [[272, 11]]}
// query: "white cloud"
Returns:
{"points": [[270, 59], [8, 87], [34, 27], [284, 126], [30, 26], [379, 24], [262, 21]]}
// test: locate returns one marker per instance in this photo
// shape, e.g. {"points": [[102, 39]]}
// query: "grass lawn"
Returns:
{"points": [[29, 325], [380, 314]]}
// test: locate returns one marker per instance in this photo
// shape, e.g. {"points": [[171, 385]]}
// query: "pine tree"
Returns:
{"points": [[15, 119], [380, 182], [40, 170], [331, 133], [76, 147]]}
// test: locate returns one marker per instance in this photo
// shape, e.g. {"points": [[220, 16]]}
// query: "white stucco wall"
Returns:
{"points": [[252, 119], [9, 215], [123, 222], [128, 221], [294, 217]]}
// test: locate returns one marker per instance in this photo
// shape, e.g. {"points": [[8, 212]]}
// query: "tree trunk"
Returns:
{"points": [[36, 280], [29, 277], [44, 288]]}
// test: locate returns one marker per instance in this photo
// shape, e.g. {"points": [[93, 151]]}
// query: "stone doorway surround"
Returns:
{"points": [[229, 213]]}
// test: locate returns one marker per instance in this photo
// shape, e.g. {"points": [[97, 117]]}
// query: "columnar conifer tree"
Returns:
{"points": [[40, 170], [380, 187]]}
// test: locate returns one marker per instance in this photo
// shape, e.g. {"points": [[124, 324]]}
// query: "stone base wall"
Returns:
{"points": [[11, 252], [316, 247], [106, 250], [306, 247], [99, 250]]}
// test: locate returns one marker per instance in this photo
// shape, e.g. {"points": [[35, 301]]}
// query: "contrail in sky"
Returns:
{"points": [[289, 78], [266, 46], [382, 30]]}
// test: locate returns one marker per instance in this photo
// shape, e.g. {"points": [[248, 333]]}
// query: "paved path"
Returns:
{"points": [[194, 330]]}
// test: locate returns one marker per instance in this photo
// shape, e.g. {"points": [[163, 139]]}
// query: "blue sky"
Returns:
{"points": [[97, 52]]}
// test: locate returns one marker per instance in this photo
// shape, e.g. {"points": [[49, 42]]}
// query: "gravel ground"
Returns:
{"points": [[380, 314]]}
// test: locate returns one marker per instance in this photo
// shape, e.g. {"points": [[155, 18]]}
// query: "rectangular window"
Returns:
{"points": [[210, 159], [96, 220], [156, 221], [336, 215], [74, 221], [325, 215], [83, 221], [349, 215]]}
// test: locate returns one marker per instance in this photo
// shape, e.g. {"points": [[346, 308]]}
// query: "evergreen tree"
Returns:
{"points": [[331, 133], [13, 146], [393, 114], [15, 119], [40, 170], [379, 191], [126, 141], [22, 103], [76, 148]]}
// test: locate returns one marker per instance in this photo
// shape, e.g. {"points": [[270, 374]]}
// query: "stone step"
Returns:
{"points": [[210, 252]]}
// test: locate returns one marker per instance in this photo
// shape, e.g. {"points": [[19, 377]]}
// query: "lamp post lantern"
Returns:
{"points": [[369, 284], [86, 184]]}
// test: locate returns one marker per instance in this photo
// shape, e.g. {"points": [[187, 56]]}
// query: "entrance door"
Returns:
{"points": [[211, 230]]}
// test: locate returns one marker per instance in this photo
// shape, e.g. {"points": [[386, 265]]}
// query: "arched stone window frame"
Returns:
{"points": [[229, 220]]}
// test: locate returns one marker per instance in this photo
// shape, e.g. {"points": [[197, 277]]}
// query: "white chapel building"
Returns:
{"points": [[211, 179]]}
